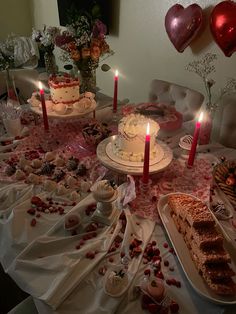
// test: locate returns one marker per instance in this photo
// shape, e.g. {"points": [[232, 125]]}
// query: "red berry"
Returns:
{"points": [[153, 308], [174, 307], [33, 222], [122, 254], [31, 211], [160, 275], [178, 284], [166, 263], [38, 215], [147, 272], [111, 259], [77, 247], [165, 245], [154, 243]]}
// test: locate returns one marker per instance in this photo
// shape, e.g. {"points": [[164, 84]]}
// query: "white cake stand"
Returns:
{"points": [[70, 113], [128, 168]]}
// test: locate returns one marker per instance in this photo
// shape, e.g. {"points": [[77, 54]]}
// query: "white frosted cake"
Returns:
{"points": [[64, 89], [131, 138]]}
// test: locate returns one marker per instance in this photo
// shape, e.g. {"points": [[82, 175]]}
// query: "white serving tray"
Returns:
{"points": [[185, 259]]}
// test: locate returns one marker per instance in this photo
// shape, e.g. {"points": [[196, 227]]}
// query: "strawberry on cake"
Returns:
{"points": [[64, 89]]}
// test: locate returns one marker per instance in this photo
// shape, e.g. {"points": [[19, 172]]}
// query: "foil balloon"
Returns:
{"points": [[223, 26], [183, 24]]}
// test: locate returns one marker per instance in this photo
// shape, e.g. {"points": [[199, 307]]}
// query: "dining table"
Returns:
{"points": [[66, 272]]}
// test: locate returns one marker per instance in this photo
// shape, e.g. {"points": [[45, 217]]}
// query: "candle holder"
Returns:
{"points": [[144, 198], [187, 182]]}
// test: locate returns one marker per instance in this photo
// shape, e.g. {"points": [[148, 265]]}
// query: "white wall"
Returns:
{"points": [[15, 18], [143, 50]]}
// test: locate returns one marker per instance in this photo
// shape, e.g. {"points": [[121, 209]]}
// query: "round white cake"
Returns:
{"points": [[64, 89], [131, 138]]}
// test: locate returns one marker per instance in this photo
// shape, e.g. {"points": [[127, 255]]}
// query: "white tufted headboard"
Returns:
{"points": [[185, 100]]}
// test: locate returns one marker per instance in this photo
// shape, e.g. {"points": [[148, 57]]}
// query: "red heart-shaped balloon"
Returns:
{"points": [[182, 25], [223, 26]]}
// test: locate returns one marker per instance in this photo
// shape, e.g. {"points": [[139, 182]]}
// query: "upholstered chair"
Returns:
{"points": [[227, 122], [184, 99]]}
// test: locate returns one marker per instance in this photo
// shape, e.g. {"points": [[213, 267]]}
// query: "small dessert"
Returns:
{"points": [[60, 108], [10, 170], [103, 190], [33, 178], [71, 181], [28, 169], [72, 221], [116, 282], [49, 185], [59, 161], [82, 105], [49, 156], [19, 175], [72, 164], [155, 288], [36, 163], [23, 162], [85, 186], [61, 190]]}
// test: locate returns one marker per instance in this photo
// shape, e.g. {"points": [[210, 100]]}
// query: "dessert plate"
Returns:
{"points": [[185, 259], [128, 169], [113, 156]]}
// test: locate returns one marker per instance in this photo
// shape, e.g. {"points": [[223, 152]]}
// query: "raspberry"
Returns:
{"points": [[147, 272], [154, 243], [122, 254], [31, 211], [174, 307], [153, 308], [33, 222], [111, 259], [160, 275], [165, 245], [166, 263], [38, 215]]}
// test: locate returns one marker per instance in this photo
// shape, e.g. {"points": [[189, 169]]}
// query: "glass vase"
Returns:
{"points": [[206, 128], [12, 94], [50, 62], [88, 81]]}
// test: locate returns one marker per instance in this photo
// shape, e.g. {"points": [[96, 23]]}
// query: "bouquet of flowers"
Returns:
{"points": [[84, 42], [45, 38], [203, 68], [7, 54]]}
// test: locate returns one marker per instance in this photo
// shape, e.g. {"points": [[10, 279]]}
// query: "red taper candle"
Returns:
{"points": [[146, 156], [192, 152], [44, 109], [115, 92]]}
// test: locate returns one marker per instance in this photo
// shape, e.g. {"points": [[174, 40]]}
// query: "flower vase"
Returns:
{"points": [[88, 81], [11, 89], [206, 128], [50, 62]]}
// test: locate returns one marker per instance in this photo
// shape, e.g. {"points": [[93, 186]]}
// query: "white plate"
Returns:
{"points": [[70, 113], [110, 153], [185, 259], [126, 169]]}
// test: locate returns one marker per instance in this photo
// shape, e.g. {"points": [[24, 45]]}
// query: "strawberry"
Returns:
{"points": [[174, 307]]}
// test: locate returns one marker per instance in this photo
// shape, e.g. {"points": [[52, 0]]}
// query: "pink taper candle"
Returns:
{"points": [[192, 152], [115, 92], [146, 156], [45, 116]]}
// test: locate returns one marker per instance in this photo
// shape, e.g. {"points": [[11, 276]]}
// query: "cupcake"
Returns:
{"points": [[103, 190]]}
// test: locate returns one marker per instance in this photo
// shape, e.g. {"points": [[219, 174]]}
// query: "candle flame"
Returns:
{"points": [[116, 73], [40, 86], [200, 117], [148, 129]]}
